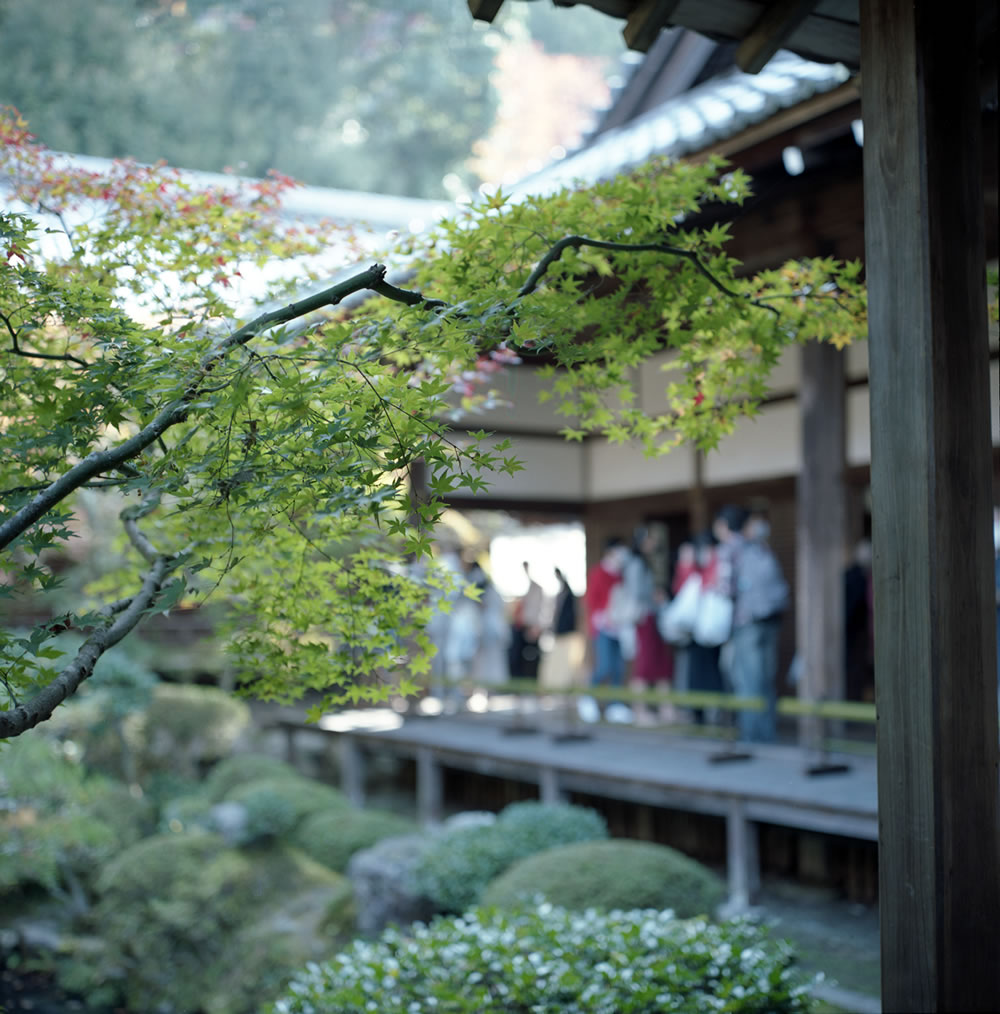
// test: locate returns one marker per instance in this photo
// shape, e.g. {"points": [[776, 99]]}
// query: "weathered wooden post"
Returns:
{"points": [[820, 524], [935, 661]]}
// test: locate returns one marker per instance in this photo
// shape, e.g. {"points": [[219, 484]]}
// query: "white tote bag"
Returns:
{"points": [[676, 620], [714, 623]]}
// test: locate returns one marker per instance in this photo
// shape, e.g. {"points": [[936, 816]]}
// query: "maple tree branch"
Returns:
{"points": [[576, 242], [127, 612], [114, 457]]}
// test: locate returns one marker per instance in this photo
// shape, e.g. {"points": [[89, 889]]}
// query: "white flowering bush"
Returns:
{"points": [[547, 960], [455, 869]]}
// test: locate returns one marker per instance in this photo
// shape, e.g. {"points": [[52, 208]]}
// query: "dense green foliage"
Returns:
{"points": [[455, 869], [177, 911], [59, 824], [276, 460], [242, 768], [303, 795], [609, 875], [551, 961], [331, 838]]}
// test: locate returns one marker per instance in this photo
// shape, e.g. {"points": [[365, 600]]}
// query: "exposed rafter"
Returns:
{"points": [[770, 32], [645, 21]]}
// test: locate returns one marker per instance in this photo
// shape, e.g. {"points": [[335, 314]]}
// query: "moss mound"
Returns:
{"points": [[190, 925], [241, 768], [456, 867], [609, 875], [301, 796], [331, 838]]}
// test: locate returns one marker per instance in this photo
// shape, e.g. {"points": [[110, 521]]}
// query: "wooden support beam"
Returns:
{"points": [[485, 10], [352, 769], [742, 857], [430, 786], [935, 637], [820, 526], [549, 789], [643, 25], [769, 34]]}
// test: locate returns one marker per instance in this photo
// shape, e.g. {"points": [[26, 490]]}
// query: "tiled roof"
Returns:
{"points": [[690, 122]]}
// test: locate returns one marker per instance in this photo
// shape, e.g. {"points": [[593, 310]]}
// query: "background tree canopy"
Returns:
{"points": [[269, 452], [381, 95]]}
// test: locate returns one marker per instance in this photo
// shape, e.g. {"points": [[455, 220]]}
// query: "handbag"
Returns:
{"points": [[676, 620], [714, 623]]}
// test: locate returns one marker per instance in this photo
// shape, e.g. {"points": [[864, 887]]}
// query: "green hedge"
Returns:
{"points": [[616, 874], [302, 796], [188, 925], [331, 838], [455, 869], [241, 768], [551, 961]]}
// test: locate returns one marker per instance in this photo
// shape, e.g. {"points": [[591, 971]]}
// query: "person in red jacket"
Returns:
{"points": [[603, 625]]}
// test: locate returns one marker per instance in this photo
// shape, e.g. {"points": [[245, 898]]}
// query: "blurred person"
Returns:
{"points": [[526, 628], [464, 633], [652, 662], [750, 574], [490, 665], [858, 623], [703, 669], [561, 663], [603, 622]]}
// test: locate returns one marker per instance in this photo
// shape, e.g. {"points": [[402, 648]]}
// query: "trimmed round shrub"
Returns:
{"points": [[302, 796], [457, 866], [241, 768], [186, 727], [616, 874], [548, 960], [269, 813], [331, 838], [532, 826]]}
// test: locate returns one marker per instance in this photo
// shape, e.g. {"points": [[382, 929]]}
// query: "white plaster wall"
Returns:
{"points": [[764, 447], [519, 385], [858, 449], [553, 470], [785, 376], [615, 471], [856, 364]]}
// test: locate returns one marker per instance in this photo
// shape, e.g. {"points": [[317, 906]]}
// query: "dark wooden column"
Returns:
{"points": [[935, 653], [820, 531]]}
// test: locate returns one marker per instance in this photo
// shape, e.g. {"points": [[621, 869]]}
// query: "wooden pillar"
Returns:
{"points": [[742, 857], [430, 787], [935, 652], [352, 770], [820, 526], [549, 790]]}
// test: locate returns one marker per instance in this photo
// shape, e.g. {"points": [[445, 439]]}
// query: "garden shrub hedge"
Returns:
{"points": [[455, 869], [302, 795], [241, 768], [189, 925], [548, 960], [331, 838], [616, 874]]}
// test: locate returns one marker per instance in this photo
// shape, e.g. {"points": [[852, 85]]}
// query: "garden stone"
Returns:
{"points": [[382, 877]]}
